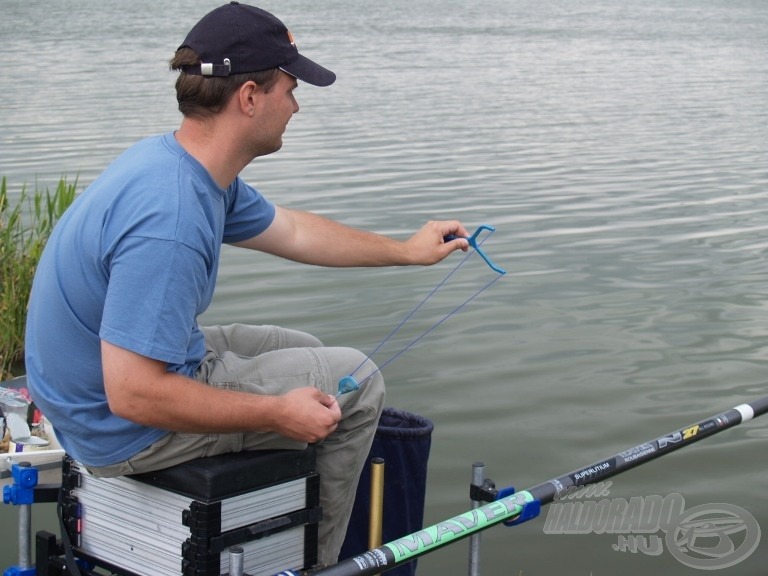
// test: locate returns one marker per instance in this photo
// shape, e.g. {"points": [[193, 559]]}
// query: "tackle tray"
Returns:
{"points": [[181, 521]]}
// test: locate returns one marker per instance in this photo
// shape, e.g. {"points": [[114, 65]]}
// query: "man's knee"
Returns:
{"points": [[372, 391]]}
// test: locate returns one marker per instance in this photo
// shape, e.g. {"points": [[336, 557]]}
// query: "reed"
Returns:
{"points": [[25, 227]]}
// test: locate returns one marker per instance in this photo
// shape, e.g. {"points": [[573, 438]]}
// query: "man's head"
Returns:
{"points": [[231, 45]]}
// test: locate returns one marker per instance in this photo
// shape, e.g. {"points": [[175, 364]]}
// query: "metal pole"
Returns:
{"points": [[478, 478], [377, 504], [25, 536], [236, 561], [376, 508]]}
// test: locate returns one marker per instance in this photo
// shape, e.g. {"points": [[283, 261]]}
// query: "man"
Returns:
{"points": [[115, 357]]}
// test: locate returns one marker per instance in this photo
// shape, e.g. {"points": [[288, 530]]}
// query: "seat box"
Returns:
{"points": [[181, 521]]}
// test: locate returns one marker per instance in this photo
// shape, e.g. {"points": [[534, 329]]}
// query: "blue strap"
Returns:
{"points": [[530, 509]]}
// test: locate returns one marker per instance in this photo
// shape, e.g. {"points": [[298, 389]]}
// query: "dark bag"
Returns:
{"points": [[403, 441]]}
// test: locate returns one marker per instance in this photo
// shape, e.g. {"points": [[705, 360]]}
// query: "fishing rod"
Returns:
{"points": [[518, 507]]}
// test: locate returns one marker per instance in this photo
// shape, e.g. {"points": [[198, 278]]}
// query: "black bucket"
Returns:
{"points": [[403, 441]]}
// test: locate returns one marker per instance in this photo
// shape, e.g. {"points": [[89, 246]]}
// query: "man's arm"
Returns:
{"points": [[313, 239], [142, 390]]}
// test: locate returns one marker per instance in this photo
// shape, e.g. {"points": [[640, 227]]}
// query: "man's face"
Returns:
{"points": [[275, 110]]}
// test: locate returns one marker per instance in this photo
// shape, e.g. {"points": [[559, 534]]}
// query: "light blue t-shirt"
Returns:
{"points": [[133, 261]]}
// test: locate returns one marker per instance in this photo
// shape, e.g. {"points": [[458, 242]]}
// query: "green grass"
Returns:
{"points": [[24, 229]]}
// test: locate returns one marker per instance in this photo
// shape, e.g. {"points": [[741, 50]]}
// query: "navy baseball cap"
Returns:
{"points": [[237, 38]]}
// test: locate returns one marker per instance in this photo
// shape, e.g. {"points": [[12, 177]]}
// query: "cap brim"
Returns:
{"points": [[310, 72]]}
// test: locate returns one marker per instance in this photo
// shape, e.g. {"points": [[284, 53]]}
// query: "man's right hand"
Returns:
{"points": [[307, 414]]}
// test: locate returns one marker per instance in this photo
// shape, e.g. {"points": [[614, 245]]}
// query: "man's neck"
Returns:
{"points": [[208, 142]]}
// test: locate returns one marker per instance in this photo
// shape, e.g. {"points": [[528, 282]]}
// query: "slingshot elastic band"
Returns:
{"points": [[349, 383]]}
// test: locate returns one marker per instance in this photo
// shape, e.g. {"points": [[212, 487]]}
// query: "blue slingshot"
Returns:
{"points": [[350, 384], [473, 242]]}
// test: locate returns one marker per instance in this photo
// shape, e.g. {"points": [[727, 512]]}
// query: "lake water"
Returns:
{"points": [[621, 151]]}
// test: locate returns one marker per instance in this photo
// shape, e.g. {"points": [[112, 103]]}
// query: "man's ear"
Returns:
{"points": [[248, 95]]}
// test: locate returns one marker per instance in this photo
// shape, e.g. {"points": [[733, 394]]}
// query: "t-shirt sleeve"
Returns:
{"points": [[154, 294], [248, 213]]}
